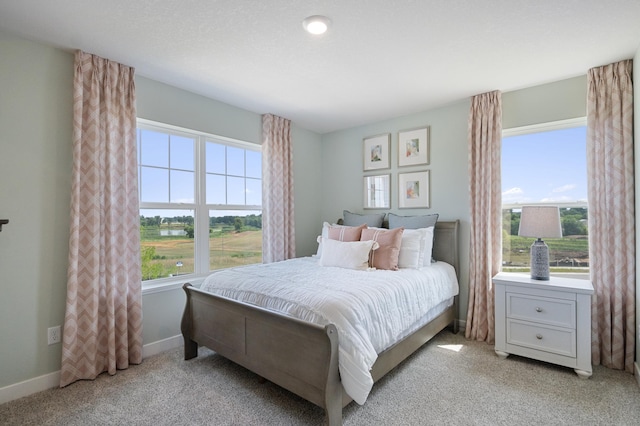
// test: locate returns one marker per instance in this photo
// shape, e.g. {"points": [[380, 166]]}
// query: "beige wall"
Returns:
{"points": [[556, 101], [35, 190]]}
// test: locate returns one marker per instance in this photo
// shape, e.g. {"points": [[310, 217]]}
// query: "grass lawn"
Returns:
{"points": [[227, 249], [565, 254]]}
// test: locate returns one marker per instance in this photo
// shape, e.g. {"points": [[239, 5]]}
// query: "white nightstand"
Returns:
{"points": [[544, 320]]}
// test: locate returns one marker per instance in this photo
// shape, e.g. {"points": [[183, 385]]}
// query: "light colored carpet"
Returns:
{"points": [[448, 381]]}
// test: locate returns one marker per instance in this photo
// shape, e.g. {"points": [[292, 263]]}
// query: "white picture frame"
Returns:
{"points": [[377, 192], [413, 190], [376, 152], [413, 147]]}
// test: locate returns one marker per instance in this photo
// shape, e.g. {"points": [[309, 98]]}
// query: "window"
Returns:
{"points": [[546, 165], [200, 202]]}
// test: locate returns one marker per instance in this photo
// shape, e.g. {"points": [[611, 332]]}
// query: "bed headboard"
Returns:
{"points": [[445, 243]]}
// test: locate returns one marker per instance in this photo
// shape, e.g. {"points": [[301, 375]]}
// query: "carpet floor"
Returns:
{"points": [[450, 381]]}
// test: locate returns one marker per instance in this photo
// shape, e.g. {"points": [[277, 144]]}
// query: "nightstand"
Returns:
{"points": [[544, 320]]}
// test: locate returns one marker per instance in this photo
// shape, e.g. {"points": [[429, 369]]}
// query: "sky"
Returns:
{"points": [[168, 173], [545, 167]]}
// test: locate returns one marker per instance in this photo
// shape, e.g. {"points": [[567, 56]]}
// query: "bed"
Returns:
{"points": [[261, 339]]}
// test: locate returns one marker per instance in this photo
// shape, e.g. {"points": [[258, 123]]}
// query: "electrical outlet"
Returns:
{"points": [[53, 335]]}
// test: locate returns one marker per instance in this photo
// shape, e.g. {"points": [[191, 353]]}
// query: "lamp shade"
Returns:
{"points": [[540, 222]]}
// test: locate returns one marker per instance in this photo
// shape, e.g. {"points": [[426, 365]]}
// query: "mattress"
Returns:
{"points": [[371, 309]]}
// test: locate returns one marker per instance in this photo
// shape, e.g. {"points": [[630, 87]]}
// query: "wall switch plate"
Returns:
{"points": [[53, 335]]}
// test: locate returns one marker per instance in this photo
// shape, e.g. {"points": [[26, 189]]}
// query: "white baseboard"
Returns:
{"points": [[163, 345], [52, 380], [637, 372], [28, 387], [462, 325]]}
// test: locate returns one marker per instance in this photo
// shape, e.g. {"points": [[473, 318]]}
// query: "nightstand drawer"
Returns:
{"points": [[548, 339], [558, 312]]}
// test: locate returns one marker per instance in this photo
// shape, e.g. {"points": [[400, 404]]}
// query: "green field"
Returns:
{"points": [[566, 254], [227, 248], [235, 249]]}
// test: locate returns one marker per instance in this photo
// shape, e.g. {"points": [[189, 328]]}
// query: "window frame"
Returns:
{"points": [[540, 128], [199, 206]]}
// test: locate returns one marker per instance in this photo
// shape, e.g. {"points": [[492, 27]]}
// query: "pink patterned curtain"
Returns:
{"points": [[611, 214], [278, 224], [103, 320], [485, 138]]}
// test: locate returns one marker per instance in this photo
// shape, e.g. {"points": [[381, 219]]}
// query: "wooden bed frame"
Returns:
{"points": [[299, 356]]}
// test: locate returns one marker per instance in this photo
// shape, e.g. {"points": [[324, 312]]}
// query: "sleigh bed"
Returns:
{"points": [[298, 355]]}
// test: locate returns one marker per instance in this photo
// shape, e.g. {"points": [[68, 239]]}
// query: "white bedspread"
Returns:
{"points": [[371, 309]]}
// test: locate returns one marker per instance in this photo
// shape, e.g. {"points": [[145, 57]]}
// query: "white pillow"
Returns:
{"points": [[416, 248], [410, 248], [346, 254], [325, 235], [428, 247]]}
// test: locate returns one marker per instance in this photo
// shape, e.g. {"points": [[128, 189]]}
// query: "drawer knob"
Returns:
{"points": [[538, 309], [539, 336]]}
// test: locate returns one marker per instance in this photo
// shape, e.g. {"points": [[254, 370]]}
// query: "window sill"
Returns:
{"points": [[172, 284]]}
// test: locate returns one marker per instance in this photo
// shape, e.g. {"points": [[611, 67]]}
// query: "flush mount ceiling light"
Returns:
{"points": [[316, 24]]}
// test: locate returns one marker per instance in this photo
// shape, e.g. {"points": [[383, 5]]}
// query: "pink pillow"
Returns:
{"points": [[346, 233], [386, 257]]}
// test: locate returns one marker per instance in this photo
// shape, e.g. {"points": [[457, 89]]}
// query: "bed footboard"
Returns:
{"points": [[299, 356]]}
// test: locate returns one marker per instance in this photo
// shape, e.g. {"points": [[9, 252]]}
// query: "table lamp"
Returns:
{"points": [[540, 222]]}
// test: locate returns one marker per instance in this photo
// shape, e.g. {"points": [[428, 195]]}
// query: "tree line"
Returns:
{"points": [[237, 223], [573, 221], [252, 220]]}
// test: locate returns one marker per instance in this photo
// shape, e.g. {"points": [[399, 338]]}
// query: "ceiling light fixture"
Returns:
{"points": [[316, 24]]}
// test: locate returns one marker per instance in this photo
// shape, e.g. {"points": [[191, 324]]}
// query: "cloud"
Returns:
{"points": [[513, 191], [564, 188], [562, 199]]}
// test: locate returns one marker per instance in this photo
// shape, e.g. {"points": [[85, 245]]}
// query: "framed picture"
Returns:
{"points": [[413, 190], [376, 152], [377, 192], [413, 147]]}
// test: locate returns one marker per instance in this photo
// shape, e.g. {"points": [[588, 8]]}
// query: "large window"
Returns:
{"points": [[546, 165], [200, 202]]}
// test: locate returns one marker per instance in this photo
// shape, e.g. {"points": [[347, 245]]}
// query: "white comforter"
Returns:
{"points": [[371, 309]]}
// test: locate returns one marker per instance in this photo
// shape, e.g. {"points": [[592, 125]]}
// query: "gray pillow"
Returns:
{"points": [[412, 222], [354, 219]]}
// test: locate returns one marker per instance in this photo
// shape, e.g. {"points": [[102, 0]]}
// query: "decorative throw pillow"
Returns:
{"points": [[386, 257], [412, 248], [412, 222], [345, 233], [346, 254], [416, 248], [371, 220]]}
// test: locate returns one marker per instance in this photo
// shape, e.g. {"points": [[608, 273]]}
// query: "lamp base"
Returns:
{"points": [[539, 260]]}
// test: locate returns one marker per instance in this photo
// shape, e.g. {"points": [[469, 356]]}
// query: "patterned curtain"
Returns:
{"points": [[103, 320], [611, 214], [485, 138], [278, 224]]}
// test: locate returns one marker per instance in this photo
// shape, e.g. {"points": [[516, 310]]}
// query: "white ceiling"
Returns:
{"points": [[380, 59]]}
